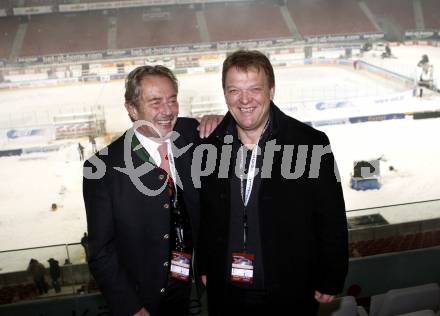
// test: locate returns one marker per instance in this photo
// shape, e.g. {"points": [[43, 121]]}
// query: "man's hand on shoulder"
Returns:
{"points": [[208, 123], [323, 298], [204, 280], [142, 312]]}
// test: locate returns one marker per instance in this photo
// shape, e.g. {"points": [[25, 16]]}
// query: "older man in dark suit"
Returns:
{"points": [[273, 237], [142, 208]]}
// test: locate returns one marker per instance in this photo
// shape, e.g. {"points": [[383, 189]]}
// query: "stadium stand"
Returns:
{"points": [[31, 3], [89, 1], [243, 21], [64, 33], [178, 24], [328, 17], [396, 243], [11, 294], [4, 5], [431, 13], [144, 27], [399, 11], [9, 26]]}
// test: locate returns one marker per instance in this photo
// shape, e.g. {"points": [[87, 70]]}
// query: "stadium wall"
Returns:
{"points": [[347, 40], [422, 35], [384, 73], [324, 54]]}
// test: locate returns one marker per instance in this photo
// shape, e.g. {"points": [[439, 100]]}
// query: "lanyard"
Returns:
{"points": [[172, 170], [249, 184], [179, 228], [250, 175]]}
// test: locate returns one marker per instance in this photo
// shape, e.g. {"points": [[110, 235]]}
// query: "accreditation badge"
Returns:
{"points": [[242, 270], [180, 265]]}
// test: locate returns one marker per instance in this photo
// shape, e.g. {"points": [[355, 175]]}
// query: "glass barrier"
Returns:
{"points": [[18, 259], [394, 214]]}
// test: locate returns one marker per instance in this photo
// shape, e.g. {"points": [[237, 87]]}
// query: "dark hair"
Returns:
{"points": [[245, 59], [133, 86]]}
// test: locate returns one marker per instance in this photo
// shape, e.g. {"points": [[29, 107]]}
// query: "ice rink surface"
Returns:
{"points": [[31, 183]]}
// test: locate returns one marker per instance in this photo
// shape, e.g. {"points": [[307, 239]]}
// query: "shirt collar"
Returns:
{"points": [[150, 146]]}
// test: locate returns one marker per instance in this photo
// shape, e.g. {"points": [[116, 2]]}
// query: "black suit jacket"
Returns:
{"points": [[302, 222], [129, 231]]}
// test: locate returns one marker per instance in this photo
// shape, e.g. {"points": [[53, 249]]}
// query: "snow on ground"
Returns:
{"points": [[31, 183], [406, 59], [409, 146]]}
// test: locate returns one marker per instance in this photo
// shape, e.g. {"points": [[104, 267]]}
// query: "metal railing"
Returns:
{"points": [[18, 259]]}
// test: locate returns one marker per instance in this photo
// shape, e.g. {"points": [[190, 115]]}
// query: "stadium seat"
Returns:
{"points": [[425, 312], [343, 306], [406, 300]]}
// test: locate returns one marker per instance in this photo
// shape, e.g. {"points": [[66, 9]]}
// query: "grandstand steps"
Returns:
{"points": [[418, 15], [289, 22], [369, 15], [202, 26], [112, 32], [18, 41], [391, 28]]}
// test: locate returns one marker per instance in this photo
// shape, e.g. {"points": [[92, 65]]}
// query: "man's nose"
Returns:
{"points": [[166, 108], [244, 97]]}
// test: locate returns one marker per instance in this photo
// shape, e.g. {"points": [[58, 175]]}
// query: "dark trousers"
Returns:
{"points": [[246, 302], [235, 301], [176, 298], [240, 301], [41, 285], [56, 285]]}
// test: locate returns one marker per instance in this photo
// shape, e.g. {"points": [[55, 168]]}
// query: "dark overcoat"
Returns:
{"points": [[302, 219]]}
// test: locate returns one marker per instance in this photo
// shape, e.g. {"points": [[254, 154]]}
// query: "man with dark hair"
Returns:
{"points": [[55, 274], [273, 232], [142, 209]]}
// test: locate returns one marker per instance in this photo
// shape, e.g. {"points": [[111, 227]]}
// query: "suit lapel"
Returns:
{"points": [[140, 151]]}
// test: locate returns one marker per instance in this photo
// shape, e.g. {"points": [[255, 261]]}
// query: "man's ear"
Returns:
{"points": [[272, 92], [131, 109]]}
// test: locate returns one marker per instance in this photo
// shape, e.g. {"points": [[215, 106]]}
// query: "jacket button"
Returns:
{"points": [[166, 206], [166, 236], [161, 177], [165, 264], [162, 290]]}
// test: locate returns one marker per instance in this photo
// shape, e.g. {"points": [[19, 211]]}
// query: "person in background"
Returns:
{"points": [[85, 244], [55, 273], [92, 141], [38, 271], [81, 151], [387, 53]]}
